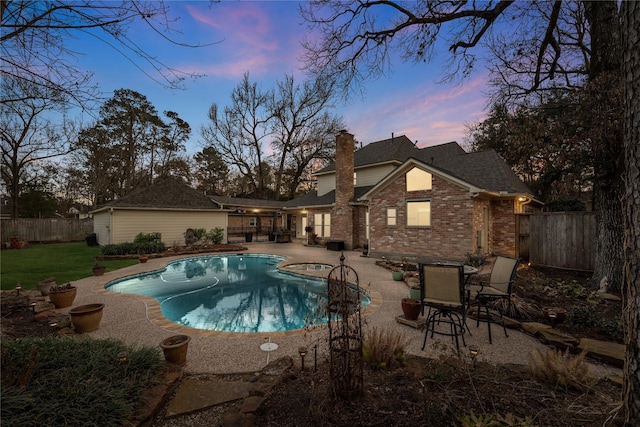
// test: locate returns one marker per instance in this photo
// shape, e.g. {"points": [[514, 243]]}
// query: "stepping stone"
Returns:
{"points": [[608, 296], [608, 352], [197, 394], [548, 335], [418, 324]]}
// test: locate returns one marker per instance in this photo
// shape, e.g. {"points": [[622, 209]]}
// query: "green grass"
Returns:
{"points": [[69, 381], [64, 261]]}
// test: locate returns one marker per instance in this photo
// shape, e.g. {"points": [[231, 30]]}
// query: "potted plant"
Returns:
{"points": [[142, 257], [46, 284], [86, 318], [397, 275], [411, 308], [98, 270], [62, 295], [414, 292], [175, 349]]}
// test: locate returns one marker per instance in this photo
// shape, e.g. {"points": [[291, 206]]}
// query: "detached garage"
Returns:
{"points": [[168, 207]]}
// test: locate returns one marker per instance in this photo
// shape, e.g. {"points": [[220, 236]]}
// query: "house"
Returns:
{"points": [[168, 206], [437, 202]]}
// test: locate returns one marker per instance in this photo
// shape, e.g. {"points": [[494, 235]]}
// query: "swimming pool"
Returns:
{"points": [[232, 293]]}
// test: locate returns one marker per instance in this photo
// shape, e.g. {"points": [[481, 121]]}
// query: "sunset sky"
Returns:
{"points": [[264, 39]]}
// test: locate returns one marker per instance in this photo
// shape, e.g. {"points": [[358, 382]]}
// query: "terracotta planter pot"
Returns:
{"points": [[411, 308], [143, 259], [86, 318], [175, 349], [63, 298], [98, 270]]}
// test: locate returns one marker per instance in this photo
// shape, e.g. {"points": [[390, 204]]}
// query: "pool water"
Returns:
{"points": [[232, 293]]}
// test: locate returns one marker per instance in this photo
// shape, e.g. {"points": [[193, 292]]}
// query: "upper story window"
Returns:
{"points": [[417, 179], [253, 221]]}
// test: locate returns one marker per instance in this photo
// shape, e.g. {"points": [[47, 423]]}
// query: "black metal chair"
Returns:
{"points": [[498, 287], [442, 292]]}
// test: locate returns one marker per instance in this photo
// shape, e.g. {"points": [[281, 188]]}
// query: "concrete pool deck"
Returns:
{"points": [[137, 320]]}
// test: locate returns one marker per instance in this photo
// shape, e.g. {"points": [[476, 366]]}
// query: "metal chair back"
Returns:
{"points": [[442, 284], [503, 273]]}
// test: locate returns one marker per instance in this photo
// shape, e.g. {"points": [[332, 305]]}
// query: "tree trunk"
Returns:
{"points": [[630, 12], [604, 88]]}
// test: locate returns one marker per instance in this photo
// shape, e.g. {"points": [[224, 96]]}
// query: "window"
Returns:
{"points": [[419, 213], [417, 180], [253, 221], [322, 224], [392, 215]]}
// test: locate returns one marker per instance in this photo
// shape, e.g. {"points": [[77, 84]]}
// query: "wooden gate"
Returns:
{"points": [[557, 239]]}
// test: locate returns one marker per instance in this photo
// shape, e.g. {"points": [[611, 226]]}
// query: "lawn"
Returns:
{"points": [[64, 261]]}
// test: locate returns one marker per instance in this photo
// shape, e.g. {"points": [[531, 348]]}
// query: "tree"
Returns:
{"points": [[27, 136], [630, 12], [356, 43], [35, 34], [300, 116], [130, 146], [546, 144], [211, 173], [291, 121], [238, 132]]}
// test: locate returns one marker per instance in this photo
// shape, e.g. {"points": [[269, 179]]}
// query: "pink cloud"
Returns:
{"points": [[431, 114], [255, 37]]}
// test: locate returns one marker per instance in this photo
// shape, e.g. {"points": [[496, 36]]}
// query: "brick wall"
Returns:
{"points": [[342, 214], [450, 236], [503, 227]]}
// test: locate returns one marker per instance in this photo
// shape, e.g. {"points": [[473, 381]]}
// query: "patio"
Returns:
{"points": [[137, 320]]}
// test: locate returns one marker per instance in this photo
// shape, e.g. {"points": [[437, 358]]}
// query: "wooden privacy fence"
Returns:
{"points": [[558, 239], [46, 229]]}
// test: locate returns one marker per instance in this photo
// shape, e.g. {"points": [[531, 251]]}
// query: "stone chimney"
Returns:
{"points": [[342, 212]]}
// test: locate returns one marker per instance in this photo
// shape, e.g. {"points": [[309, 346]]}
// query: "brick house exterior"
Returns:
{"points": [[470, 202], [398, 200]]}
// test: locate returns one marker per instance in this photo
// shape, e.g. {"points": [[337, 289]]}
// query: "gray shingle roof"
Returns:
{"points": [[165, 193], [484, 169], [312, 199], [397, 149], [247, 202]]}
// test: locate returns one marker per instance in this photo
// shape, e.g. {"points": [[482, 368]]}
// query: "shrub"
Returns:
{"points": [[383, 348], [146, 243], [216, 235], [560, 370], [586, 316], [68, 381], [474, 260]]}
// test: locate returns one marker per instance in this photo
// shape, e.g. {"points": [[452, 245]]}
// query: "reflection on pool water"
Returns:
{"points": [[232, 293]]}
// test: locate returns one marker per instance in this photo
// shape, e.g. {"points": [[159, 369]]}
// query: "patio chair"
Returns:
{"points": [[442, 292], [498, 287]]}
